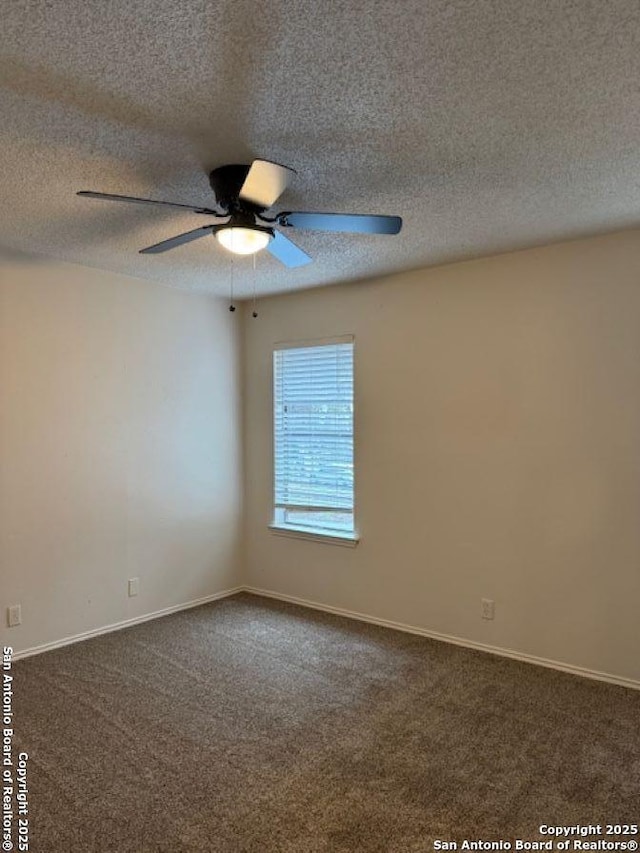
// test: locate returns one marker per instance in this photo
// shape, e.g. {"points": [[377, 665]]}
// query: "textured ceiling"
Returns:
{"points": [[488, 125]]}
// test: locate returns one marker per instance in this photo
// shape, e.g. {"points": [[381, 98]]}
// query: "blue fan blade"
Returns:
{"points": [[287, 252], [133, 200], [179, 240], [265, 182], [353, 222]]}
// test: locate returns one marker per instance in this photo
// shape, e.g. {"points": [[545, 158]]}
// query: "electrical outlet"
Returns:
{"points": [[487, 608], [14, 615], [133, 587]]}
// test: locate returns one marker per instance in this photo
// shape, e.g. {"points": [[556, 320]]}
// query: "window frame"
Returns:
{"points": [[279, 528]]}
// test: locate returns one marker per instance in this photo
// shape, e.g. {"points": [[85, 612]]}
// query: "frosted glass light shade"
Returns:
{"points": [[243, 241]]}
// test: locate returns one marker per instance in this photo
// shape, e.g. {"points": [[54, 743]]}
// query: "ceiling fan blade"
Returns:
{"points": [[265, 182], [172, 242], [133, 200], [287, 252], [353, 222]]}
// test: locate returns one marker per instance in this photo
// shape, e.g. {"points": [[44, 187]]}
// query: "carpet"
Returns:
{"points": [[253, 725]]}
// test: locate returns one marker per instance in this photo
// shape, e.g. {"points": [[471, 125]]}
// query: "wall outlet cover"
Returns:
{"points": [[487, 608], [14, 615]]}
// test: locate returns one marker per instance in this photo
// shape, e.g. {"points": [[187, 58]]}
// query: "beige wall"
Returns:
{"points": [[497, 451], [119, 442]]}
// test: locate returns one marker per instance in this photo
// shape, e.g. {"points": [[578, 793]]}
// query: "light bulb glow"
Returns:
{"points": [[243, 241]]}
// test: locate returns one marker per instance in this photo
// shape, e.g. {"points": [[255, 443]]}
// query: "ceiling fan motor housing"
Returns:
{"points": [[226, 182], [245, 219]]}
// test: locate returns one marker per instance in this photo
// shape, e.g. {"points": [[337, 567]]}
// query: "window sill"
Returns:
{"points": [[346, 540]]}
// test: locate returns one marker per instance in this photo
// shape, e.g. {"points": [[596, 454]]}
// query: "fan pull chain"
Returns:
{"points": [[254, 313], [232, 307]]}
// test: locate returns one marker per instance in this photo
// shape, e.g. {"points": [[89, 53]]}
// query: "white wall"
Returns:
{"points": [[497, 451], [119, 445]]}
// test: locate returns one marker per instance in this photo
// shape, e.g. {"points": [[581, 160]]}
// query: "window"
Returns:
{"points": [[313, 438]]}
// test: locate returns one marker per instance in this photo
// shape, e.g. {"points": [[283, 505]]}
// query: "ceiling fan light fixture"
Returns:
{"points": [[242, 240]]}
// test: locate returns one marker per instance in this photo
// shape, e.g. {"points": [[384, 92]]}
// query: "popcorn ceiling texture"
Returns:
{"points": [[488, 126]]}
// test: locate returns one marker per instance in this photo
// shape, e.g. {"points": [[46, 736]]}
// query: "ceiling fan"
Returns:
{"points": [[243, 193]]}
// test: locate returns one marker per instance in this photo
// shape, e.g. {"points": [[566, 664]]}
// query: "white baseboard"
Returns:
{"points": [[126, 623], [448, 638], [338, 611]]}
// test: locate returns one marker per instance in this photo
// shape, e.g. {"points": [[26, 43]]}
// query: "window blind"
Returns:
{"points": [[313, 428]]}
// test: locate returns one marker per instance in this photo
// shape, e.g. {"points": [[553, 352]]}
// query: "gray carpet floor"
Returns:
{"points": [[251, 725]]}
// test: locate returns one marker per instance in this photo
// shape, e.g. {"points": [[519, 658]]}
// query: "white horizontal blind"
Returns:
{"points": [[313, 426]]}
